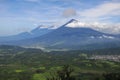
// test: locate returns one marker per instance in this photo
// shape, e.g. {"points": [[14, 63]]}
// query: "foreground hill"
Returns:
{"points": [[17, 63]]}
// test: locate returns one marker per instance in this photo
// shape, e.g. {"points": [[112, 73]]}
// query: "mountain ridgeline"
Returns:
{"points": [[67, 38], [26, 35]]}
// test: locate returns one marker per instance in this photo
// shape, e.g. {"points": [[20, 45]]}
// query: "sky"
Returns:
{"points": [[18, 16]]}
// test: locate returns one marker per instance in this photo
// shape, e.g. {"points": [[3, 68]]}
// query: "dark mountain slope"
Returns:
{"points": [[73, 38]]}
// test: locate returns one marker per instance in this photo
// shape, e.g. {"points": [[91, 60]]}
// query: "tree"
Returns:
{"points": [[63, 74], [112, 76]]}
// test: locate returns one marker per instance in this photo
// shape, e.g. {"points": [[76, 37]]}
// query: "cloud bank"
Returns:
{"points": [[103, 27]]}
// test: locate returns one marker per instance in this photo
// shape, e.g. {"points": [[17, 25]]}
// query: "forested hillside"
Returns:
{"points": [[17, 63]]}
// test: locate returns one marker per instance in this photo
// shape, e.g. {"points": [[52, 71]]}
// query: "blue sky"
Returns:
{"points": [[23, 15]]}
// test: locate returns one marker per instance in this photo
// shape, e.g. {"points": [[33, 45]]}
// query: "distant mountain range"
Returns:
{"points": [[68, 38], [26, 35]]}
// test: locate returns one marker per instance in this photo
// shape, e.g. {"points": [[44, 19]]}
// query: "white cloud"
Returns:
{"points": [[106, 9], [69, 12], [103, 27]]}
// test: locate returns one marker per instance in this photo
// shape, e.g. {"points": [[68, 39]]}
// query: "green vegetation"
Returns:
{"points": [[18, 63]]}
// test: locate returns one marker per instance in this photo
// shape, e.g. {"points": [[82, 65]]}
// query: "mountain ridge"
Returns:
{"points": [[71, 38], [38, 31]]}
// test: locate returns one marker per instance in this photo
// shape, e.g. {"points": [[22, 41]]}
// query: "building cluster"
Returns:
{"points": [[106, 57]]}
